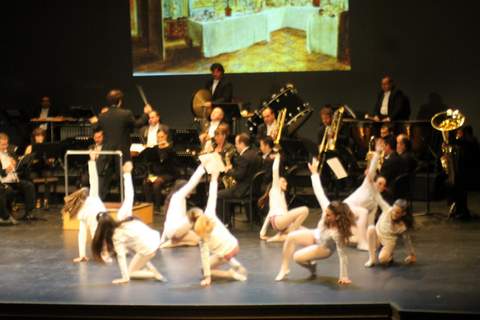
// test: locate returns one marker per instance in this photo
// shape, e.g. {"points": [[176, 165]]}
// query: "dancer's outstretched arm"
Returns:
{"points": [[381, 202], [343, 262], [407, 242], [93, 177], [122, 262], [211, 208], [192, 182], [276, 172], [129, 194], [205, 256], [372, 169], [317, 185]]}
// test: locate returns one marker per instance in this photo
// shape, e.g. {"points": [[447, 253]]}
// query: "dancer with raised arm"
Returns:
{"points": [[394, 221], [85, 204], [218, 246], [129, 234], [331, 234], [281, 219], [177, 229], [363, 197]]}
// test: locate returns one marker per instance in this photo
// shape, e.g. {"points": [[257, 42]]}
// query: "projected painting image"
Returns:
{"points": [[246, 36]]}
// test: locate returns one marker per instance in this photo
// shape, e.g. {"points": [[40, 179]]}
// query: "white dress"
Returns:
{"points": [[276, 197]]}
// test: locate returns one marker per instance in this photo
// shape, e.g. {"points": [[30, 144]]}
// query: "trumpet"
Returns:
{"points": [[445, 122], [281, 120]]}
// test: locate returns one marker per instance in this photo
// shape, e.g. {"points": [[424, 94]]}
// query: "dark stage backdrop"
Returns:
{"points": [[75, 51]]}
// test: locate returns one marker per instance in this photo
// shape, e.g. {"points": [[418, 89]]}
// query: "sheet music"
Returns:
{"points": [[137, 147], [337, 168], [212, 162]]}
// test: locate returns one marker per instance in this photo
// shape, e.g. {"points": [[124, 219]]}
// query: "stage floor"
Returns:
{"points": [[36, 267]]}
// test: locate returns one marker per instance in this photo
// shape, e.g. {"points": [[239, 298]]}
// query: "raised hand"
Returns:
{"points": [[127, 167], [313, 166]]}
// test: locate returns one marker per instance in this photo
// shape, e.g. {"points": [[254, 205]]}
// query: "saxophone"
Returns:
{"points": [[229, 181]]}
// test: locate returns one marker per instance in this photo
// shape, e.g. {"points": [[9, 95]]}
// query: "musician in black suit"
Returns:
{"points": [[392, 104], [393, 166], [244, 168], [117, 125], [149, 132], [269, 127], [404, 150], [221, 88], [10, 180], [162, 170]]}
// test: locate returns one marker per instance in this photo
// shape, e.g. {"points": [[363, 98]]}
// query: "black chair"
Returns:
{"points": [[249, 201]]}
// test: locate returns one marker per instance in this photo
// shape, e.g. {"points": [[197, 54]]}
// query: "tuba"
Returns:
{"points": [[445, 122]]}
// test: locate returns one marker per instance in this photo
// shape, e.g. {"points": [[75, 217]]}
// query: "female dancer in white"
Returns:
{"points": [[394, 221], [128, 234], [177, 228], [281, 219], [85, 204], [217, 245], [332, 233], [363, 197]]}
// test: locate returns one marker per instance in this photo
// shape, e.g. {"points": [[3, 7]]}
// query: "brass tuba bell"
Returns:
{"points": [[445, 122]]}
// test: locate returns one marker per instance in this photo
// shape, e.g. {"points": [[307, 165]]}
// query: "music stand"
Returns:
{"points": [[137, 138], [295, 149], [187, 138], [81, 112], [48, 150]]}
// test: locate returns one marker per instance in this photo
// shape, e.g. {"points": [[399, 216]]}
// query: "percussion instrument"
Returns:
{"points": [[198, 101]]}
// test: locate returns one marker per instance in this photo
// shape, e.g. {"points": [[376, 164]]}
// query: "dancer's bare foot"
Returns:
{"points": [[80, 259], [160, 277], [263, 237], [282, 275], [362, 246], [370, 263], [237, 276], [279, 237], [241, 270], [166, 244]]}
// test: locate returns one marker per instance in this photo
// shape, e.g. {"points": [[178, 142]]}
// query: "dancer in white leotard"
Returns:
{"points": [[281, 219], [177, 229], [331, 234]]}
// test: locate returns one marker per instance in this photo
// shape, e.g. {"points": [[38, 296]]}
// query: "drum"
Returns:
{"points": [[199, 98]]}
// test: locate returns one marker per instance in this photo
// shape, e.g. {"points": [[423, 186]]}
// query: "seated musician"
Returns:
{"points": [[149, 132], [392, 167], [10, 180], [269, 127], [392, 104], [245, 165], [96, 146], [45, 110], [41, 167], [404, 150], [221, 145], [216, 118], [162, 172]]}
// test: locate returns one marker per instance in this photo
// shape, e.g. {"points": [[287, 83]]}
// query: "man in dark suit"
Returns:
{"points": [[269, 127], [149, 131], [244, 168], [393, 165], [404, 150], [221, 88], [117, 125], [392, 104]]}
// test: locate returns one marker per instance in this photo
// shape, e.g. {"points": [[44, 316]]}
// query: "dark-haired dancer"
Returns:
{"points": [[394, 221], [331, 234], [129, 234], [177, 230], [281, 219]]}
